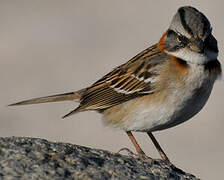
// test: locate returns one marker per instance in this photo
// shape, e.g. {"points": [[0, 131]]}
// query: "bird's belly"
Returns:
{"points": [[166, 108], [176, 109]]}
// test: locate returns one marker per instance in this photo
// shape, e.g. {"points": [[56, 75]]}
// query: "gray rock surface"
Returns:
{"points": [[32, 158]]}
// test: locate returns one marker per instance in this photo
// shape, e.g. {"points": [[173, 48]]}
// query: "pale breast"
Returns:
{"points": [[175, 102]]}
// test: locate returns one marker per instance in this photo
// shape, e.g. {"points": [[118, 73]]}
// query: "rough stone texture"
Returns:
{"points": [[32, 158]]}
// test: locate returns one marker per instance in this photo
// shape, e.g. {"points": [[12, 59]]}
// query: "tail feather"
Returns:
{"points": [[72, 96], [70, 113]]}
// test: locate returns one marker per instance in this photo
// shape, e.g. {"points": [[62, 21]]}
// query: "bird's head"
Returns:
{"points": [[189, 37]]}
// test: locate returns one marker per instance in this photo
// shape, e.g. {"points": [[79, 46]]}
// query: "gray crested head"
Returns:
{"points": [[190, 38], [191, 22]]}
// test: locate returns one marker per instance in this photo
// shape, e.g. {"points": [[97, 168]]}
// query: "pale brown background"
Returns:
{"points": [[49, 47]]}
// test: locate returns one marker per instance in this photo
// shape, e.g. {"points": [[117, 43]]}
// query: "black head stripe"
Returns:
{"points": [[183, 21], [194, 22]]}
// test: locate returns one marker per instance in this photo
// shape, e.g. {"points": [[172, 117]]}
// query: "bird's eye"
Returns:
{"points": [[179, 39], [182, 39]]}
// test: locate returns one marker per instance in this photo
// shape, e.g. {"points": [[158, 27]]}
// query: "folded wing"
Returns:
{"points": [[135, 78]]}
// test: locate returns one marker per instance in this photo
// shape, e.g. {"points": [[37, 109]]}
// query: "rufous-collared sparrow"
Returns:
{"points": [[159, 88]]}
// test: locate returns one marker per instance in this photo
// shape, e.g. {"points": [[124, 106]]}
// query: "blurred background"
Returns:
{"points": [[54, 46]]}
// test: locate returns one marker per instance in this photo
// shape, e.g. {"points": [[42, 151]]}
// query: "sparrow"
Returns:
{"points": [[161, 87]]}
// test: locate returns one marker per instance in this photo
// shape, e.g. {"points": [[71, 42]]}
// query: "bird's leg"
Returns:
{"points": [[135, 143], [159, 149]]}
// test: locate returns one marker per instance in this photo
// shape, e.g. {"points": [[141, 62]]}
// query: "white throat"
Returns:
{"points": [[194, 57]]}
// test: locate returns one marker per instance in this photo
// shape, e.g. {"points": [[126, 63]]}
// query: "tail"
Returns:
{"points": [[72, 96]]}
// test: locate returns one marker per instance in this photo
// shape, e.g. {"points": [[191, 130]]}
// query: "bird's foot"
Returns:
{"points": [[130, 153], [140, 155]]}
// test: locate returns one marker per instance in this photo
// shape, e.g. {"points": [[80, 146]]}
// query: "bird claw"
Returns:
{"points": [[130, 153], [140, 155]]}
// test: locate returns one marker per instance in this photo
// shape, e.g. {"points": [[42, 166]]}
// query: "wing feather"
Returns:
{"points": [[135, 78]]}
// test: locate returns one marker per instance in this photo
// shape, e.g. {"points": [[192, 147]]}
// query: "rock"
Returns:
{"points": [[33, 158]]}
